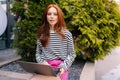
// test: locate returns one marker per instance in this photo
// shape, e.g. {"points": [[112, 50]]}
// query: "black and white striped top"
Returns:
{"points": [[57, 49]]}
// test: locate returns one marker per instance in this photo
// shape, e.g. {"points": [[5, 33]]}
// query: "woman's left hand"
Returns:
{"points": [[62, 70]]}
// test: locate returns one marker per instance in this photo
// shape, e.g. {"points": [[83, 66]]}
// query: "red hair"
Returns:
{"points": [[43, 33]]}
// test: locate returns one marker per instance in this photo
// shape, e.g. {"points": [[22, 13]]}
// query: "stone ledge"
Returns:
{"points": [[6, 75], [15, 75], [10, 60], [88, 72]]}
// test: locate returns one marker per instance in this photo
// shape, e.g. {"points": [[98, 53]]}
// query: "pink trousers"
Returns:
{"points": [[55, 64]]}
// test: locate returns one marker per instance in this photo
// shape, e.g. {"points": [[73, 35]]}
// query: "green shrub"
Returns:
{"points": [[95, 25]]}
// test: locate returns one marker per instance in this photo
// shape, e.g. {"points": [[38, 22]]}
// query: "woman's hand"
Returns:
{"points": [[45, 63], [62, 70]]}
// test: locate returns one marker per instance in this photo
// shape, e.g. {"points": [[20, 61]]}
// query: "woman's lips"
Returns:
{"points": [[51, 20]]}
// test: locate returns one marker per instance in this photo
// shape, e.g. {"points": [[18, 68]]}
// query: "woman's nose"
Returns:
{"points": [[52, 15]]}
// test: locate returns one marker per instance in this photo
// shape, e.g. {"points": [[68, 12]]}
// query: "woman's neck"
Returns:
{"points": [[51, 27]]}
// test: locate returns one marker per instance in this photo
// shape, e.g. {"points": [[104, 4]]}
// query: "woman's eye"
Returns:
{"points": [[49, 14], [55, 14]]}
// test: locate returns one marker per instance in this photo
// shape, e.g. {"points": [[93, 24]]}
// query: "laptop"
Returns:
{"points": [[38, 68]]}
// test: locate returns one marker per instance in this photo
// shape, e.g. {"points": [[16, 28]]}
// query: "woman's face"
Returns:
{"points": [[52, 16]]}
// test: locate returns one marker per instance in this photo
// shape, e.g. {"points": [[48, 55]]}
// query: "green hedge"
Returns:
{"points": [[95, 25]]}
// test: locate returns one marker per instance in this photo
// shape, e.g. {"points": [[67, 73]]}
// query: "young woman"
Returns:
{"points": [[55, 43]]}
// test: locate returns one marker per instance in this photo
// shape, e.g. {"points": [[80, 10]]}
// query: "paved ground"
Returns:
{"points": [[109, 67], [7, 56]]}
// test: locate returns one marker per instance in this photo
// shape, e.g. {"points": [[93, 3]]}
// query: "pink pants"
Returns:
{"points": [[55, 64]]}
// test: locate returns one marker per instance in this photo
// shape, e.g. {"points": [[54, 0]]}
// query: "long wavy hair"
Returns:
{"points": [[43, 33]]}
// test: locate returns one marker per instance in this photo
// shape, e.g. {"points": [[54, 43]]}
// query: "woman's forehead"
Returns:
{"points": [[52, 9]]}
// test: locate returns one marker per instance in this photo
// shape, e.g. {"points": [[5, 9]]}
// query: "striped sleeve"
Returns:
{"points": [[39, 53], [70, 53]]}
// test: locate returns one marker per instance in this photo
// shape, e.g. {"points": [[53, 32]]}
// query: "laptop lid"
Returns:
{"points": [[38, 68]]}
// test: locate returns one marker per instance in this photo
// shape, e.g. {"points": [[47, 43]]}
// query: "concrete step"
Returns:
{"points": [[9, 78], [7, 56], [88, 72], [7, 75]]}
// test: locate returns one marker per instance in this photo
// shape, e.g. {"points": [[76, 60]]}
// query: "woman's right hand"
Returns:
{"points": [[45, 63]]}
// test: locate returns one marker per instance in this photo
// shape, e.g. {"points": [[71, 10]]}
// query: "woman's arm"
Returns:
{"points": [[70, 51], [39, 53]]}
